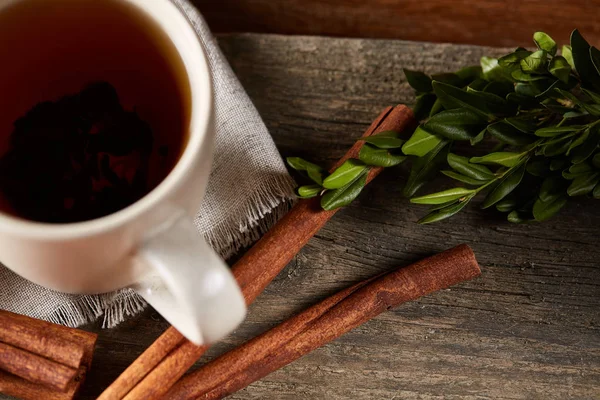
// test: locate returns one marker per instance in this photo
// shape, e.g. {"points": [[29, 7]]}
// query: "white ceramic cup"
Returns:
{"points": [[152, 245]]}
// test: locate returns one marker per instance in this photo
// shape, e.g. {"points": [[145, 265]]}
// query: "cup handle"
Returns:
{"points": [[188, 283]]}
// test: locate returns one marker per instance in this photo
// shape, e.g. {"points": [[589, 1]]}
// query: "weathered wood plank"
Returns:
{"points": [[484, 22], [529, 328]]}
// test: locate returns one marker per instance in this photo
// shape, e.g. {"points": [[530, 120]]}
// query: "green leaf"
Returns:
{"points": [[595, 57], [308, 191], [420, 143], [504, 158], [501, 89], [560, 68], [507, 204], [513, 60], [524, 124], [371, 155], [558, 164], [546, 88], [314, 172], [463, 178], [443, 197], [515, 217], [522, 100], [574, 114], [538, 167], [555, 107], [344, 174], [543, 211], [583, 184], [556, 148], [526, 89], [552, 131], [507, 184], [535, 62], [568, 55], [544, 42], [443, 213], [561, 139], [584, 151], [469, 74], [385, 140], [491, 70], [479, 84], [343, 196], [297, 163], [579, 140], [593, 109], [424, 168], [583, 62], [548, 85], [461, 164], [434, 207], [448, 78], [456, 124], [507, 133], [596, 160], [418, 80], [424, 105], [479, 138], [437, 107], [577, 170], [521, 76], [452, 97], [552, 188], [580, 168], [596, 192], [496, 104], [592, 95]]}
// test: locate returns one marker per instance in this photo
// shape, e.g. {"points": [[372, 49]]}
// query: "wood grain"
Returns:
{"points": [[528, 328], [483, 22]]}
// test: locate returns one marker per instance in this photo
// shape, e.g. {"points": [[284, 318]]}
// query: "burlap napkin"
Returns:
{"points": [[248, 190]]}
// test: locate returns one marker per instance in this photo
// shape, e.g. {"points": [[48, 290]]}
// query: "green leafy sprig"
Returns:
{"points": [[343, 185], [523, 130]]}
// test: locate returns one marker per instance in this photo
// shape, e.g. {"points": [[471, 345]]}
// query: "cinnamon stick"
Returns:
{"points": [[42, 360], [150, 376], [18, 387], [35, 368], [327, 321], [46, 339]]}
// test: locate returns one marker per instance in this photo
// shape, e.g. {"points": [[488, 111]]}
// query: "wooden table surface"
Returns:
{"points": [[485, 22], [528, 328]]}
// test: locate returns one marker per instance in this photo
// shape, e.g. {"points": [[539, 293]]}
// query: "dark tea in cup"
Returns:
{"points": [[95, 107]]}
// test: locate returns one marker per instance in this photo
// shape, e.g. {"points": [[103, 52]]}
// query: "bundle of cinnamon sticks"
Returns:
{"points": [[41, 360]]}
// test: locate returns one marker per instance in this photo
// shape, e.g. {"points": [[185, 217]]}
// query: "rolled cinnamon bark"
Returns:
{"points": [[50, 360], [55, 342], [35, 368], [18, 387], [323, 323]]}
